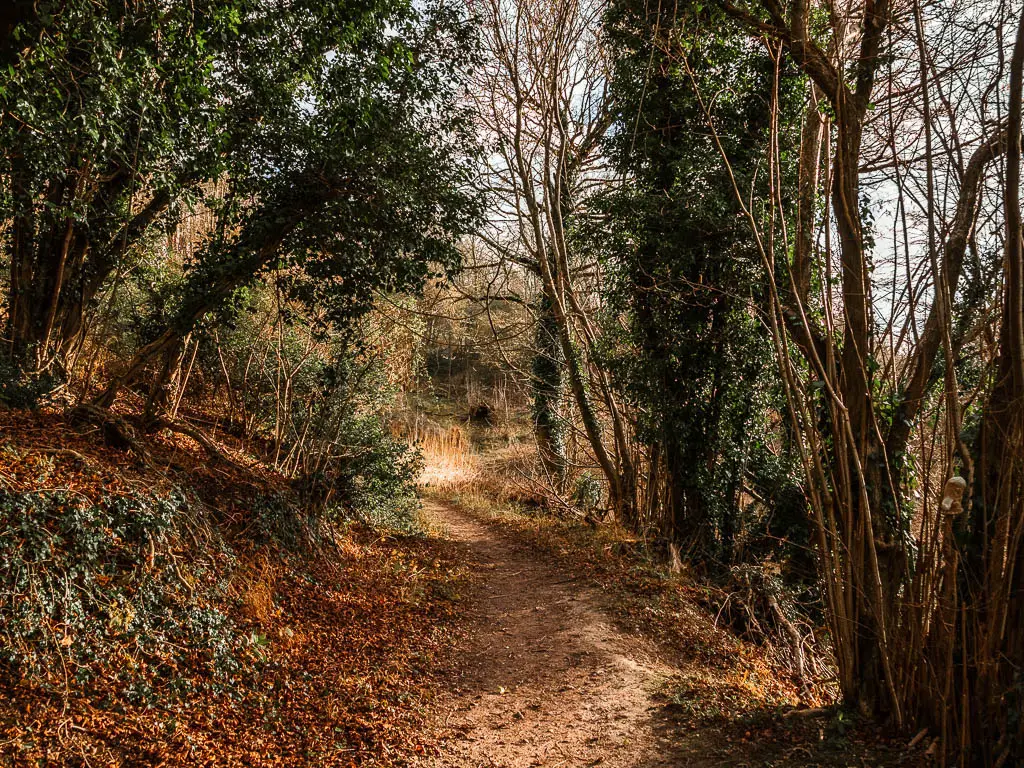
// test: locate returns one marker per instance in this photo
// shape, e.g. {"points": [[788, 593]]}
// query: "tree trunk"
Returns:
{"points": [[57, 269], [548, 388]]}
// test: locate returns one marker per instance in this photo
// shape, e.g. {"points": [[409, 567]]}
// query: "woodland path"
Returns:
{"points": [[546, 678]]}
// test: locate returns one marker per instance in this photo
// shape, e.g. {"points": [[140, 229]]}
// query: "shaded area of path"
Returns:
{"points": [[546, 679]]}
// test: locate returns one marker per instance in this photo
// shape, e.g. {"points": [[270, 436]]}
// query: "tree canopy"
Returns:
{"points": [[325, 138]]}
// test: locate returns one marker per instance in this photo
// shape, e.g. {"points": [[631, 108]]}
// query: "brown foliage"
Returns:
{"points": [[340, 641]]}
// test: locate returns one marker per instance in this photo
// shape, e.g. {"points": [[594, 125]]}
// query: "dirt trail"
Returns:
{"points": [[547, 679]]}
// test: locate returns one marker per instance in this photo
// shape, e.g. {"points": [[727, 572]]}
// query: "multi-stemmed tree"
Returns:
{"points": [[874, 330]]}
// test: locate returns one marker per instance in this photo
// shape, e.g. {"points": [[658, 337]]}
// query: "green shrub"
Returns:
{"points": [[377, 482]]}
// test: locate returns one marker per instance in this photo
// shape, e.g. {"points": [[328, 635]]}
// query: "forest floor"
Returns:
{"points": [[499, 638], [557, 670], [243, 651]]}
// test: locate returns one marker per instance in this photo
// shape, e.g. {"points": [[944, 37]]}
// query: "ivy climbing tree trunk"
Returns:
{"points": [[868, 386], [58, 267], [548, 392], [124, 137]]}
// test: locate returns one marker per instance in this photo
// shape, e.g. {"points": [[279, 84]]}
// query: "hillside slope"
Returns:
{"points": [[173, 610]]}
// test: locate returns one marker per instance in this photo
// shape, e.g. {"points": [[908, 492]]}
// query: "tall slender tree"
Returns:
{"points": [[686, 272]]}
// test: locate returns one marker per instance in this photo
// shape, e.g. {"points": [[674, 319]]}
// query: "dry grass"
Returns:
{"points": [[497, 459], [449, 460]]}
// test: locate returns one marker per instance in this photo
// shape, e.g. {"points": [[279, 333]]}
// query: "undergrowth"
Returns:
{"points": [[173, 610], [93, 589]]}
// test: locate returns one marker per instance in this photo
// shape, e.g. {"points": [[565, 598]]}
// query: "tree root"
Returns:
{"points": [[119, 433], [211, 448]]}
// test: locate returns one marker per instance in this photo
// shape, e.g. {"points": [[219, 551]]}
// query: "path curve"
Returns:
{"points": [[546, 679]]}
